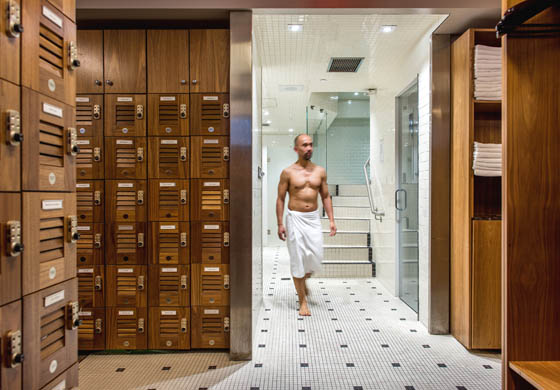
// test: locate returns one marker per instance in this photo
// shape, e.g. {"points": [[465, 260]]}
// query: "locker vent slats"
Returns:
{"points": [[168, 247], [84, 159], [52, 332], [126, 327], [211, 240], [169, 201], [51, 238], [126, 157], [125, 201], [169, 288], [168, 156], [212, 283], [126, 288], [211, 114], [85, 288], [211, 200], [211, 157], [51, 144], [84, 201], [126, 242], [169, 325], [86, 329], [212, 325], [51, 51], [168, 113], [125, 115], [85, 243], [84, 114]]}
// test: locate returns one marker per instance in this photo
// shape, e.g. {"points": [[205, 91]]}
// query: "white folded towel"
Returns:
{"points": [[485, 145], [491, 167], [478, 155], [487, 49], [488, 160], [488, 173]]}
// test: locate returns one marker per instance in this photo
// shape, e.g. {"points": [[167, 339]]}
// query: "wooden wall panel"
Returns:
{"points": [[124, 61], [168, 61], [90, 51], [209, 60]]}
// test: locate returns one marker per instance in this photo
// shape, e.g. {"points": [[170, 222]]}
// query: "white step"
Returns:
{"points": [[346, 253], [356, 270], [354, 212], [348, 224], [351, 190], [343, 238], [356, 201]]}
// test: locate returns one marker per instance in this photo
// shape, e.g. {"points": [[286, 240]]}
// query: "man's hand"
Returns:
{"points": [[282, 232], [333, 229]]}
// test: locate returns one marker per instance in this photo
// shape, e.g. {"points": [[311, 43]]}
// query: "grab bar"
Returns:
{"points": [[374, 210]]}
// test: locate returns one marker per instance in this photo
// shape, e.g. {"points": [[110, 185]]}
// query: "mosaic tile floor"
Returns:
{"points": [[359, 337]]}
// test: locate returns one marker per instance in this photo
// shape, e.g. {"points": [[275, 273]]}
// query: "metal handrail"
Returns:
{"points": [[374, 210]]}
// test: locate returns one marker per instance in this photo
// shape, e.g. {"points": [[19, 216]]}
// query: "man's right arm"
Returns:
{"points": [[282, 190]]}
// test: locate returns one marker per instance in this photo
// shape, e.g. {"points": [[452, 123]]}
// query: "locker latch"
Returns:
{"points": [[139, 111], [73, 61], [140, 197], [97, 241], [226, 324], [183, 240], [141, 282], [13, 126], [98, 326], [140, 325], [14, 247], [73, 316], [140, 154], [183, 196], [225, 110], [183, 325], [183, 282], [14, 349], [226, 282], [226, 196], [183, 153], [98, 283], [97, 154], [96, 111], [13, 27], [97, 198], [140, 240], [73, 148], [226, 153], [73, 234], [226, 239], [183, 111]]}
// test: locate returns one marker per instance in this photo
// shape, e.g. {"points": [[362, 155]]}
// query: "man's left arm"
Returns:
{"points": [[327, 202]]}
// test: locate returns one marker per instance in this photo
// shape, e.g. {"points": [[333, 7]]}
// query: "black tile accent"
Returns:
{"points": [[301, 330], [325, 294], [442, 365], [266, 309], [356, 301], [285, 278], [339, 331], [413, 331], [119, 370], [386, 300], [270, 295], [304, 364], [379, 293], [402, 319], [409, 388], [487, 366], [352, 294], [393, 309], [331, 309], [322, 288], [258, 365], [300, 319], [264, 330], [167, 368], [384, 345], [203, 388], [303, 345], [461, 388], [334, 319], [368, 319], [255, 388], [344, 282], [358, 388], [321, 282], [362, 309], [343, 346], [396, 364], [376, 330], [306, 388], [211, 367], [426, 346], [350, 365], [262, 345], [266, 319], [327, 301], [348, 288]]}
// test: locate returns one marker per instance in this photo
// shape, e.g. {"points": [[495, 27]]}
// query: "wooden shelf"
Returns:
{"points": [[542, 375], [487, 105]]}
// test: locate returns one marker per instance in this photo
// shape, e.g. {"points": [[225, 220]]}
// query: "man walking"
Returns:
{"points": [[303, 180]]}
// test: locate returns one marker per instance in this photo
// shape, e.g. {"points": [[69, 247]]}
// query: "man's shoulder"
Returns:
{"points": [[319, 169]]}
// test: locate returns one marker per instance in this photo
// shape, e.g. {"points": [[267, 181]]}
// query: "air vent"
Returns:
{"points": [[345, 64]]}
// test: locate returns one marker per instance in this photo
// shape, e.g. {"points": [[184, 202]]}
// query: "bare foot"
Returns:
{"points": [[304, 310]]}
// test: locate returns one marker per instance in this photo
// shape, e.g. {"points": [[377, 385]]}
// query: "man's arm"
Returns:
{"points": [[282, 190], [327, 201]]}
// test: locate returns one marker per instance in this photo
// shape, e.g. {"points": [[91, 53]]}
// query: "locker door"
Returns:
{"points": [[169, 158], [90, 198], [170, 328], [209, 59], [89, 77], [11, 245], [89, 116], [210, 327], [169, 200], [126, 158], [210, 157], [210, 114], [210, 284], [91, 333], [124, 61], [89, 160], [49, 52], [210, 200], [50, 231], [125, 115], [169, 115], [127, 328], [169, 285], [67, 7], [10, 37], [210, 242], [50, 147], [11, 341], [10, 137], [169, 243], [126, 201], [168, 61], [50, 333], [126, 243], [126, 285], [90, 250], [91, 292], [67, 380]]}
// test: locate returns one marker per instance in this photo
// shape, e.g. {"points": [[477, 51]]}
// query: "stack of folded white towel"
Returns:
{"points": [[487, 72], [487, 159]]}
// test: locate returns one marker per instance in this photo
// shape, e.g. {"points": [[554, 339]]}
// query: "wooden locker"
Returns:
{"points": [[10, 136], [124, 61], [67, 380], [210, 200], [49, 54], [90, 198], [170, 328], [210, 114], [126, 158], [89, 160], [210, 327], [168, 115], [126, 243], [126, 285], [50, 333], [127, 328], [89, 77], [50, 228], [125, 115], [210, 242], [169, 285], [90, 250], [10, 37], [11, 353], [169, 243], [210, 284], [51, 144], [67, 7], [209, 60], [209, 157], [91, 286], [126, 201], [11, 246], [91, 333], [168, 61], [169, 200], [169, 158], [89, 116]]}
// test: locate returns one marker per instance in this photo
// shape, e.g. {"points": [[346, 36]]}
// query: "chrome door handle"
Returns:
{"points": [[397, 199]]}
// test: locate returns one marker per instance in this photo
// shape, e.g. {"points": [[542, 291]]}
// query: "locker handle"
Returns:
{"points": [[15, 355], [139, 111], [97, 241], [140, 154], [226, 324], [98, 283], [97, 154], [97, 108], [14, 27], [73, 148], [183, 240], [183, 282], [140, 240], [225, 110], [140, 325], [14, 247], [13, 126], [98, 82], [226, 239], [183, 153], [195, 81], [109, 82], [72, 316], [226, 196], [97, 198], [140, 197], [226, 153], [98, 326], [183, 82], [183, 196], [73, 234], [183, 325], [226, 282], [183, 111], [141, 282], [73, 61]]}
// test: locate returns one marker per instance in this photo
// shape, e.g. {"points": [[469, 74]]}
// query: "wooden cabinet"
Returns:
{"points": [[89, 77], [89, 160], [126, 201], [209, 60], [168, 115], [209, 200], [126, 285], [210, 242], [126, 243], [67, 7], [90, 199], [169, 158], [91, 333], [210, 284], [168, 61], [210, 114], [67, 380], [210, 327], [91, 247], [125, 158], [125, 115], [89, 116], [169, 285], [11, 333], [169, 243], [124, 61], [209, 157], [170, 328], [91, 291], [169, 200], [10, 41], [127, 328], [10, 137], [12, 247]]}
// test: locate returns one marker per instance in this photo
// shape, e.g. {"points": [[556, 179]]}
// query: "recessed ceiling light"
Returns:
{"points": [[334, 97], [355, 93], [349, 101], [388, 28], [295, 27], [291, 130]]}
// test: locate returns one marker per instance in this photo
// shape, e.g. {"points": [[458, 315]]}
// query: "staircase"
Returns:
{"points": [[349, 253]]}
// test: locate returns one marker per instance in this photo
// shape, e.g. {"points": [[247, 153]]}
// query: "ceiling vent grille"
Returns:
{"points": [[345, 64]]}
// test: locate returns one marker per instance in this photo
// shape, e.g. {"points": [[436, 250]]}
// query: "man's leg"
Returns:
{"points": [[307, 276], [299, 283]]}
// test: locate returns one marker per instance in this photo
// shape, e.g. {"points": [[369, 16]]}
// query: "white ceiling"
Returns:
{"points": [[300, 59]]}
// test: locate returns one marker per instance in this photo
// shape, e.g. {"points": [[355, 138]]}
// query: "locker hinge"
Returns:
{"points": [[97, 241], [183, 196], [14, 247], [226, 324], [183, 240], [96, 111], [73, 316], [13, 27], [139, 111], [183, 111], [226, 239], [14, 348], [98, 326], [73, 148], [140, 197], [225, 110], [183, 325], [226, 282], [140, 154], [140, 282], [183, 282], [140, 240], [183, 153], [98, 283], [140, 325], [97, 154], [226, 196], [73, 61], [13, 127], [97, 198], [226, 153], [73, 234]]}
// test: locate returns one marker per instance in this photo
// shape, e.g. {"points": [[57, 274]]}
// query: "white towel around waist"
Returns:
{"points": [[305, 242]]}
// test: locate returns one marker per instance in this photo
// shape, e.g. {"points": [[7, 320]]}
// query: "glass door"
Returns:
{"points": [[406, 195]]}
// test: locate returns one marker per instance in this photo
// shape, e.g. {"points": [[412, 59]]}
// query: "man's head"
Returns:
{"points": [[303, 146]]}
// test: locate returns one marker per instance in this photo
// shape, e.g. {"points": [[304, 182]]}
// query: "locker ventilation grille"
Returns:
{"points": [[211, 157], [85, 243], [126, 157], [51, 144], [51, 51], [168, 157], [169, 325], [86, 329], [169, 199], [52, 332], [51, 244], [211, 114], [211, 240], [125, 115], [345, 64], [168, 113], [126, 290], [212, 325], [211, 200], [84, 159], [168, 248], [125, 203], [84, 201], [126, 327], [212, 283], [126, 242], [85, 289], [84, 114]]}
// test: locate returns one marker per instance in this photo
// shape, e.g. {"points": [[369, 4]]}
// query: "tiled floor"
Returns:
{"points": [[358, 337]]}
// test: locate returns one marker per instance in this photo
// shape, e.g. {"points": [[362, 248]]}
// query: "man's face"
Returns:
{"points": [[304, 147]]}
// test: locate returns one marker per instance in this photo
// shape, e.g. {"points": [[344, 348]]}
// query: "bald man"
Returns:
{"points": [[303, 180]]}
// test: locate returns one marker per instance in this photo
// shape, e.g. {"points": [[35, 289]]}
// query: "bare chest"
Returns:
{"points": [[303, 180]]}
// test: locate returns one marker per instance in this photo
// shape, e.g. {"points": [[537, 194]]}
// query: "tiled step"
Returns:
{"points": [[351, 190], [344, 238], [348, 224], [354, 212], [355, 201], [346, 270], [346, 253]]}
